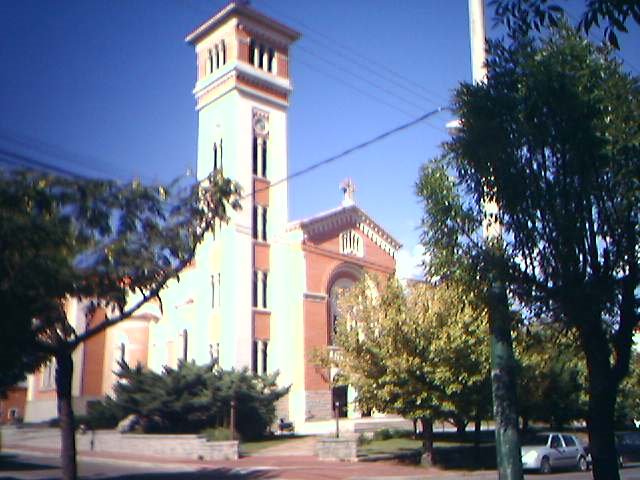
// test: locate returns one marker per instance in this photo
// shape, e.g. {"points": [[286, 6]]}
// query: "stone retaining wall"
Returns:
{"points": [[164, 446], [345, 449]]}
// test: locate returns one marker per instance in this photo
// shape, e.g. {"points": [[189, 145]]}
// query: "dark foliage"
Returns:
{"points": [[553, 139], [113, 246], [522, 16], [193, 397]]}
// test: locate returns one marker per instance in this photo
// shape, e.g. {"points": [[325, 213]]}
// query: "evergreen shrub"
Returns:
{"points": [[193, 398]]}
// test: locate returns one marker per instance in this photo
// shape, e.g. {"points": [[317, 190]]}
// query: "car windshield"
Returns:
{"points": [[537, 440]]}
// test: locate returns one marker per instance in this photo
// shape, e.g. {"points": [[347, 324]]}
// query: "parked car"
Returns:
{"points": [[547, 451], [628, 447]]}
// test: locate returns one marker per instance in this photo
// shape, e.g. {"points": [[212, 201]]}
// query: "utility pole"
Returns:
{"points": [[503, 372], [233, 419]]}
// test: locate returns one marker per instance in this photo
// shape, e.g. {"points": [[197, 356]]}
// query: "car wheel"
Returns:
{"points": [[545, 465], [583, 466]]}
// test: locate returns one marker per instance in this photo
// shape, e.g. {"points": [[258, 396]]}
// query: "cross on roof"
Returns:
{"points": [[348, 189]]}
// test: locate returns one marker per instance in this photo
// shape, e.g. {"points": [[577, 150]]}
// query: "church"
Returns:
{"points": [[261, 293]]}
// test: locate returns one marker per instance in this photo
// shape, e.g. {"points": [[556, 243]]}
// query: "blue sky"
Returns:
{"points": [[103, 88]]}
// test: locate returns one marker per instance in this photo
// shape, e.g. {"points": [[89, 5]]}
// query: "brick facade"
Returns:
{"points": [[12, 407], [325, 265]]}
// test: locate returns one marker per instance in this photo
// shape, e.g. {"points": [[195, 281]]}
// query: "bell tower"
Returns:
{"points": [[242, 95]]}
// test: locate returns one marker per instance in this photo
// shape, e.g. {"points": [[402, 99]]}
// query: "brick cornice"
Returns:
{"points": [[306, 247]]}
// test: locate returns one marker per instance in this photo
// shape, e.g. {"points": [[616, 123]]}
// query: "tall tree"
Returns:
{"points": [[465, 246], [417, 352], [520, 17], [554, 136], [628, 404], [97, 240], [552, 380]]}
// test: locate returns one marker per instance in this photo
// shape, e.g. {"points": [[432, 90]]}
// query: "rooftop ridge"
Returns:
{"points": [[240, 7]]}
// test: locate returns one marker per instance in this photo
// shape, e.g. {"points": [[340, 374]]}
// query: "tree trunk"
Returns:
{"points": [[428, 457], [602, 400], [461, 426], [503, 379], [64, 375], [477, 431]]}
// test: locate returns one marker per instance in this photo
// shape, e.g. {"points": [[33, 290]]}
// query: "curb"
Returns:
{"points": [[155, 463]]}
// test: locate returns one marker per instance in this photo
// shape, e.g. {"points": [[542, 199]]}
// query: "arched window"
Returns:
{"points": [[263, 224], [270, 60], [260, 289], [217, 156], [48, 375], [217, 57], [264, 157], [254, 155], [223, 51], [339, 287], [254, 222], [185, 345], [259, 223], [252, 52], [209, 68], [254, 356], [265, 346], [351, 243], [215, 290], [261, 57], [120, 351]]}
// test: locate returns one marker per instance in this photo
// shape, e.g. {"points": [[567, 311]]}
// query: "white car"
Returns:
{"points": [[547, 451]]}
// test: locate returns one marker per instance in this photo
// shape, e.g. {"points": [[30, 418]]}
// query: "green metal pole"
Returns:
{"points": [[503, 372], [503, 378]]}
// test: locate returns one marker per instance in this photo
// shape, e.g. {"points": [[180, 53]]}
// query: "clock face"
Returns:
{"points": [[260, 125]]}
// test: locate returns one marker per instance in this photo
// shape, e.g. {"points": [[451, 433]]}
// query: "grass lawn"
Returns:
{"points": [[247, 448], [451, 451], [392, 445]]}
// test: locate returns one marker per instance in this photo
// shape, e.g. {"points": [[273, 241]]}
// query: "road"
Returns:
{"points": [[40, 467]]}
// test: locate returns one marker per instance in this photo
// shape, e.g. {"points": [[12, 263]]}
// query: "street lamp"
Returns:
{"points": [[503, 384]]}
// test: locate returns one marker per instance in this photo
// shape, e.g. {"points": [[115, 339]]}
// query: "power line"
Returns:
{"points": [[361, 78], [54, 154], [356, 57], [18, 158], [54, 151], [366, 94], [350, 150], [21, 159], [357, 89], [356, 60]]}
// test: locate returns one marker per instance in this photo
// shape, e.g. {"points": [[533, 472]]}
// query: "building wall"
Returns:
{"points": [[227, 100], [12, 408], [41, 393], [286, 345], [324, 266], [211, 305], [93, 360]]}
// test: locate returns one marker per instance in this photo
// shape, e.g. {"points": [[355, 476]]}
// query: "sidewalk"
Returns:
{"points": [[278, 464]]}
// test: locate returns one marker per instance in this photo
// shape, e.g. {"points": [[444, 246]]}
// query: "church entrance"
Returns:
{"points": [[339, 400]]}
